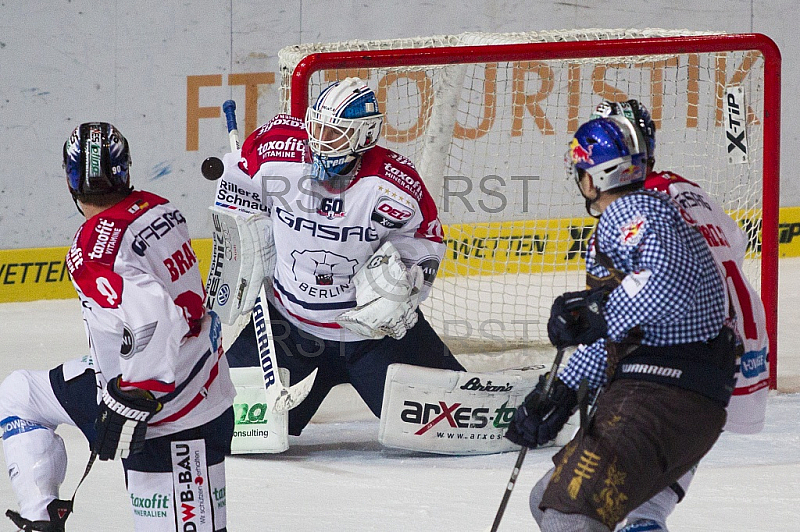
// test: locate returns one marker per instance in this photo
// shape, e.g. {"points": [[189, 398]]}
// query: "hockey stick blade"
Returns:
{"points": [[279, 397], [292, 396]]}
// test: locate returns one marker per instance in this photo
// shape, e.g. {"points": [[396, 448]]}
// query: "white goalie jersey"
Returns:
{"points": [[728, 245], [323, 238]]}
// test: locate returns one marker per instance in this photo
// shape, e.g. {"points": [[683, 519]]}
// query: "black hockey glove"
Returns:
{"points": [[122, 421], [577, 318], [539, 419]]}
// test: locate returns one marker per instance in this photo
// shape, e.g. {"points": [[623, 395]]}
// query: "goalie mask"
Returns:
{"points": [[96, 160], [611, 150], [636, 112], [343, 123]]}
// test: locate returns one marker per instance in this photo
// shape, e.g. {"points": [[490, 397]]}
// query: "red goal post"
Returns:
{"points": [[478, 98]]}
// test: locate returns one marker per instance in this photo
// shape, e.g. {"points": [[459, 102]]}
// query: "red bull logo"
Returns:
{"points": [[630, 174], [632, 233], [580, 154]]}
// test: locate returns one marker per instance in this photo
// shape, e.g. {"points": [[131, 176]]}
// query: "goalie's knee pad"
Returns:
{"points": [[36, 459]]}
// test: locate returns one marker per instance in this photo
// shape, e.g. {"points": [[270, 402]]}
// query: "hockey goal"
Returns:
{"points": [[486, 119]]}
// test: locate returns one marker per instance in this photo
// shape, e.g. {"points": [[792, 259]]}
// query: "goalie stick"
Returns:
{"points": [[279, 397], [548, 385]]}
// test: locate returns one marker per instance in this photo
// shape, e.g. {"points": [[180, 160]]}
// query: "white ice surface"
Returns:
{"points": [[336, 477]]}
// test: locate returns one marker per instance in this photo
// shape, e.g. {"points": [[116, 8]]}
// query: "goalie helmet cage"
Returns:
{"points": [[486, 118]]}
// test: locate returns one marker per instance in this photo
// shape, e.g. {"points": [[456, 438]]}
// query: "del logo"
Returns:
{"points": [[632, 233], [463, 417], [390, 213]]}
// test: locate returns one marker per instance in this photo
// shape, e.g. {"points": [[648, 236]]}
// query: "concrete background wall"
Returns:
{"points": [[136, 64]]}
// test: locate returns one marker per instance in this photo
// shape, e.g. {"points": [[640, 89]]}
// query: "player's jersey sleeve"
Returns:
{"points": [[587, 362]]}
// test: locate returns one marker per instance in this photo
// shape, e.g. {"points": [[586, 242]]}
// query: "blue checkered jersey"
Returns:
{"points": [[672, 291]]}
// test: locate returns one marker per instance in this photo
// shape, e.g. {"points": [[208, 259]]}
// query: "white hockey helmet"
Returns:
{"points": [[344, 122]]}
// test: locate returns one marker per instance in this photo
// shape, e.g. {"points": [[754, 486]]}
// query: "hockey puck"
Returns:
{"points": [[212, 168]]}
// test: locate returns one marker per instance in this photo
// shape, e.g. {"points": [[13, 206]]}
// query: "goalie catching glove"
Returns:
{"points": [[387, 296], [122, 421], [539, 418]]}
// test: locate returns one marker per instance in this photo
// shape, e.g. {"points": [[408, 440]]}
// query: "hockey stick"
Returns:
{"points": [[548, 385], [279, 397]]}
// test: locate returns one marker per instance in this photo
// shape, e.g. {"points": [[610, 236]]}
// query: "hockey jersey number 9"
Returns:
{"points": [[141, 295]]}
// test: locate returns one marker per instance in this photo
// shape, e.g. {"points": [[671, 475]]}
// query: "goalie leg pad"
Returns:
{"points": [[451, 412], [243, 256]]}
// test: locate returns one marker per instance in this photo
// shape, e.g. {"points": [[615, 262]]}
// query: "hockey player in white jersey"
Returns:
{"points": [[357, 243], [155, 389]]}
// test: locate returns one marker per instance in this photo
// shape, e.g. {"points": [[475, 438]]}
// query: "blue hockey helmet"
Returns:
{"points": [[96, 160], [611, 150], [343, 123], [636, 112]]}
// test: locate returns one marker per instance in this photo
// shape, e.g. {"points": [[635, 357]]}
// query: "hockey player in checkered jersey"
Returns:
{"points": [[356, 244], [728, 244], [655, 330], [155, 389]]}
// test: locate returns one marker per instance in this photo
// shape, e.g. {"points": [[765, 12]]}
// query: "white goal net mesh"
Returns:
{"points": [[489, 138]]}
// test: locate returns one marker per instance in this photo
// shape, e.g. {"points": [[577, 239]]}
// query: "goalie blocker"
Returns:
{"points": [[243, 254], [455, 412]]}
